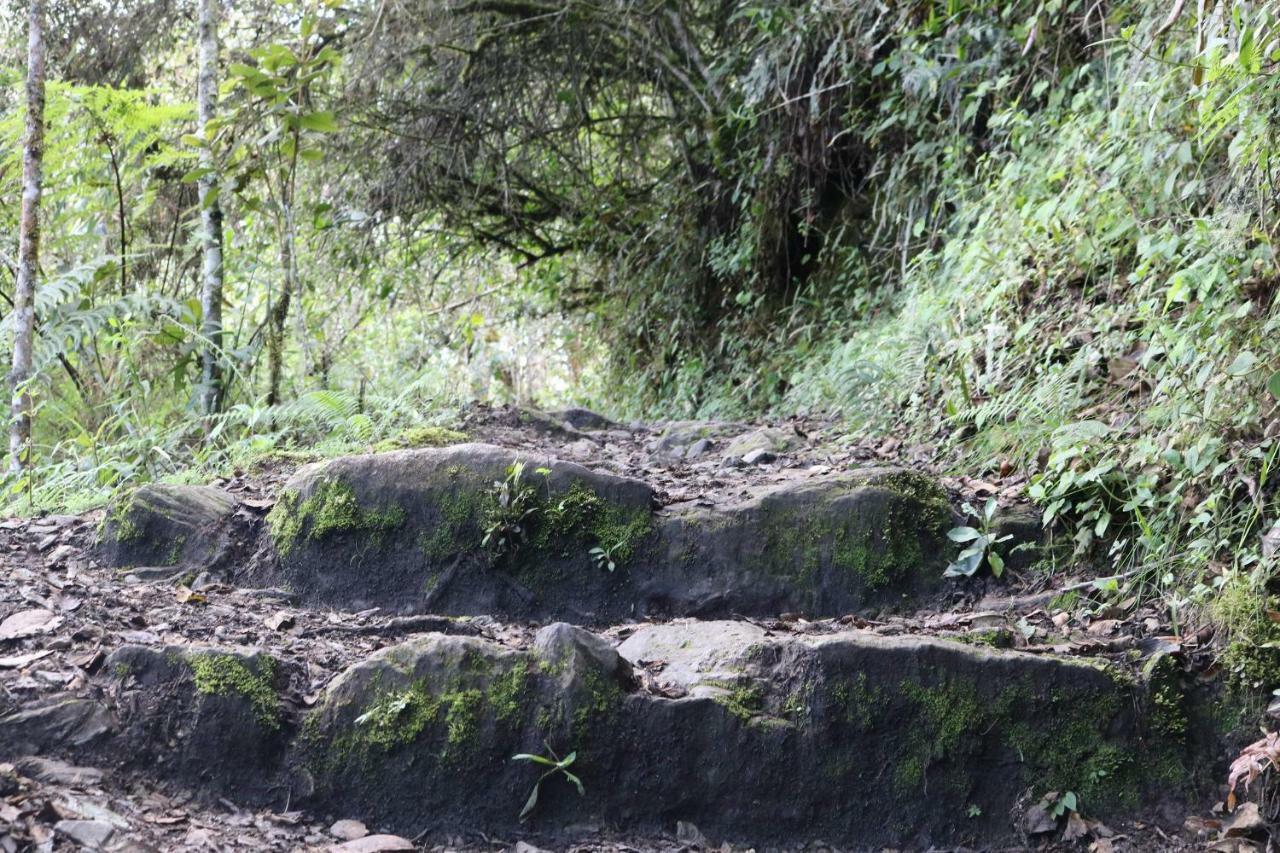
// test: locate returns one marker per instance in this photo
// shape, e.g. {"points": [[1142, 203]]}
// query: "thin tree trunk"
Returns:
{"points": [[289, 269], [28, 245], [280, 310], [211, 388]]}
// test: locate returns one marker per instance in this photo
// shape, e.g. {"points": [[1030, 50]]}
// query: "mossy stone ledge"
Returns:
{"points": [[161, 524], [453, 531], [875, 740]]}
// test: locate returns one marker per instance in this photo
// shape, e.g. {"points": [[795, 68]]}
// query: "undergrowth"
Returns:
{"points": [[1096, 313]]}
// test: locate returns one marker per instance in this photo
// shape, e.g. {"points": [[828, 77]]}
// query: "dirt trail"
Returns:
{"points": [[70, 620]]}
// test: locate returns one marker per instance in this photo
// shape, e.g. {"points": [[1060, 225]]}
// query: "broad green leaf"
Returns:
{"points": [[1273, 384], [322, 122], [529, 803], [1244, 364], [962, 534]]}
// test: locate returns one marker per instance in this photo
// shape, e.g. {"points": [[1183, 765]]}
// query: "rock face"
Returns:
{"points": [[824, 546], [849, 737], [753, 737], [456, 531], [210, 716], [168, 525]]}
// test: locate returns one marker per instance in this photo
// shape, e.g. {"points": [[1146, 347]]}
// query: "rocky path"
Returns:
{"points": [[767, 657]]}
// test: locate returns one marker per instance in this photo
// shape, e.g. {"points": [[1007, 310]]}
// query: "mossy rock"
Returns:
{"points": [[429, 726], [210, 716], [822, 546], [765, 438], [161, 524], [876, 741], [431, 531], [410, 531]]}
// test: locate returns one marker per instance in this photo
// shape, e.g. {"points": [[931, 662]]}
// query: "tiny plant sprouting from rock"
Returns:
{"points": [[604, 557], [515, 502], [554, 764], [981, 543]]}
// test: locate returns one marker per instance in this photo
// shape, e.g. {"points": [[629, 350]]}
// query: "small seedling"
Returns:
{"points": [[603, 557], [982, 542], [555, 764], [1062, 805]]}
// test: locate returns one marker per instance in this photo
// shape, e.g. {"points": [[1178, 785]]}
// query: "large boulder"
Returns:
{"points": [[160, 524], [210, 717], [470, 529], [754, 738], [822, 546], [428, 728], [458, 531]]}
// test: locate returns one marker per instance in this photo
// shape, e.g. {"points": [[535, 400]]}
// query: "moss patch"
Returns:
{"points": [[874, 551], [332, 508], [222, 675], [427, 436], [744, 701], [1061, 748]]}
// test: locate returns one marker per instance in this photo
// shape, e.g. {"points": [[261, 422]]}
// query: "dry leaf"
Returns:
{"points": [[19, 661], [28, 623], [184, 595]]}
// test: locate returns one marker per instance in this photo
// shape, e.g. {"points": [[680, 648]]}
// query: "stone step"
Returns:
{"points": [[755, 738], [453, 531]]}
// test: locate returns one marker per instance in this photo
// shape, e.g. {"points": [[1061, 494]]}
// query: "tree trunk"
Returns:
{"points": [[276, 322], [28, 245], [211, 385]]}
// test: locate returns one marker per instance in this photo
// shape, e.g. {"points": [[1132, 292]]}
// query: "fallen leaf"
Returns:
{"points": [[28, 623], [184, 595], [348, 830], [372, 844], [1076, 828], [1247, 821], [19, 661], [1038, 821], [1271, 541]]}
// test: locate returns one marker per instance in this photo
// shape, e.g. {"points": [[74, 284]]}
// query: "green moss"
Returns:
{"points": [[947, 718], [332, 508], [744, 701], [1062, 747], [580, 519], [995, 638], [118, 522], [221, 675], [458, 529], [1168, 711], [461, 719], [596, 705], [427, 436], [857, 702], [507, 692], [873, 553], [396, 717], [175, 551]]}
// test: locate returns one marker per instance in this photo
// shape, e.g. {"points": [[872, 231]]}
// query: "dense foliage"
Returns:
{"points": [[1032, 236]]}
